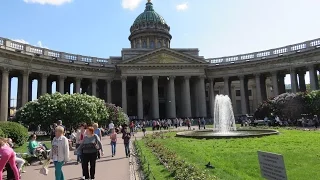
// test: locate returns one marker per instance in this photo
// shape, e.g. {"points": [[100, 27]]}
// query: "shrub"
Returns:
{"points": [[71, 109], [2, 133], [15, 131], [116, 115]]}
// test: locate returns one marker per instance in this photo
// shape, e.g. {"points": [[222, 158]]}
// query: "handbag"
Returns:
{"points": [[96, 143], [45, 170]]}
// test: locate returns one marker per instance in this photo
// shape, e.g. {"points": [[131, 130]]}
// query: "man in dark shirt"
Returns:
{"points": [[59, 123], [126, 141]]}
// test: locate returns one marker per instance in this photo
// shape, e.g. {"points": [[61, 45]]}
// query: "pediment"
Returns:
{"points": [[164, 56]]}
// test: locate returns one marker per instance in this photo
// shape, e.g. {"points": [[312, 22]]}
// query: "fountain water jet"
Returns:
{"points": [[223, 115], [224, 124]]}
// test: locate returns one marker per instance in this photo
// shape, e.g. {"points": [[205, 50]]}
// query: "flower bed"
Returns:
{"points": [[179, 169]]}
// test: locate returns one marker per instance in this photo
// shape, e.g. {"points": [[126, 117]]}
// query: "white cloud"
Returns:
{"points": [[182, 7], [39, 44], [130, 4], [49, 2], [20, 41]]}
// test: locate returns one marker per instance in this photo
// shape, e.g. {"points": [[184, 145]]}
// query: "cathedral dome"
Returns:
{"points": [[149, 30], [149, 16]]}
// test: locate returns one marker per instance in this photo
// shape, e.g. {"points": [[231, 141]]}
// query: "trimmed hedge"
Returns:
{"points": [[15, 131]]}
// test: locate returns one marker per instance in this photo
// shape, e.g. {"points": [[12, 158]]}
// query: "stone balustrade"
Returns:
{"points": [[51, 54], [94, 61], [262, 55]]}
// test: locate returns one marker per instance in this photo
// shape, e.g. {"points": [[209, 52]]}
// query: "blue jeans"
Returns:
{"points": [[113, 147], [58, 170], [127, 149]]}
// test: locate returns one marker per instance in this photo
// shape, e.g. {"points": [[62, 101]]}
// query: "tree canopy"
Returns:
{"points": [[71, 109]]}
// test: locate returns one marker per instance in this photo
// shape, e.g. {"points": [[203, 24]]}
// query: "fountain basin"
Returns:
{"points": [[242, 133]]}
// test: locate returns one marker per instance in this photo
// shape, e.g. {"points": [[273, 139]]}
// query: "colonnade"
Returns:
{"points": [[196, 97]]}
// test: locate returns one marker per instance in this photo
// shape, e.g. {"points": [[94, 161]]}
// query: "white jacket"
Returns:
{"points": [[63, 149]]}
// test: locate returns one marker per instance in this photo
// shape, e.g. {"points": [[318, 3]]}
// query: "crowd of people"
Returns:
{"points": [[88, 148]]}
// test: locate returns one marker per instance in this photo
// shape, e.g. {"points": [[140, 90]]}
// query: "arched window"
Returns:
{"points": [[137, 44], [159, 43], [144, 44], [152, 44]]}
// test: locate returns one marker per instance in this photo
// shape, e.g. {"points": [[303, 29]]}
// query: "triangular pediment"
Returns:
{"points": [[164, 56]]}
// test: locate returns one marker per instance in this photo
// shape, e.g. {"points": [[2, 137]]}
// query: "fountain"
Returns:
{"points": [[224, 124]]}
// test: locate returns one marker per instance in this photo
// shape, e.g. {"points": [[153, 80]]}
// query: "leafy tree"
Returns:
{"points": [[15, 131], [71, 109], [313, 102]]}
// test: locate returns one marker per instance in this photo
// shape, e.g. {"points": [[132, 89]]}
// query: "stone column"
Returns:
{"points": [[258, 88], [202, 97], [78, 84], [294, 82], [313, 78], [155, 97], [4, 95], [19, 96], [226, 88], [211, 96], [94, 87], [140, 97], [302, 82], [244, 103], [109, 90], [187, 99], [44, 83], [61, 84], [25, 87], [124, 93], [275, 87], [172, 98]]}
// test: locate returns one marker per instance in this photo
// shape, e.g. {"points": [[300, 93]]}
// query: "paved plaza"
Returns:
{"points": [[113, 168]]}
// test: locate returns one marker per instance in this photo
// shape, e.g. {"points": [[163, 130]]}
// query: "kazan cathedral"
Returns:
{"points": [[151, 80]]}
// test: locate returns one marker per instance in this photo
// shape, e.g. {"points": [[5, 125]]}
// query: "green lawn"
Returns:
{"points": [[237, 158], [155, 169]]}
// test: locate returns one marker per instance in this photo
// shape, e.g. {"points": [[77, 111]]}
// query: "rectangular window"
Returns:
{"points": [[249, 92], [238, 93]]}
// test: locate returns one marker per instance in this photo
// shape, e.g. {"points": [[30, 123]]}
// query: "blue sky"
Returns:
{"points": [[217, 27]]}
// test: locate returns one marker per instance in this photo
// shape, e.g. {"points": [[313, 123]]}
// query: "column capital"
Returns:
{"points": [[293, 70], [257, 74], [202, 76], [62, 77], [94, 80], [172, 77], [109, 80], [241, 77], [123, 78], [25, 72], [186, 77], [274, 73], [139, 77], [5, 69], [78, 78], [310, 66], [155, 77], [45, 75]]}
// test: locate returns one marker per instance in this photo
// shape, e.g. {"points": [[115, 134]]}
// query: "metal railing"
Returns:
{"points": [[95, 61]]}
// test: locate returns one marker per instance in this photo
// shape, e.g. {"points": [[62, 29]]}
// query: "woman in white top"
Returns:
{"points": [[59, 152]]}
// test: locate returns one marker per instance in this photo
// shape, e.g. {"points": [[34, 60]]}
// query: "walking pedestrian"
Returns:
{"points": [[97, 131], [79, 139], [88, 149], [8, 156], [126, 141], [113, 138], [59, 153]]}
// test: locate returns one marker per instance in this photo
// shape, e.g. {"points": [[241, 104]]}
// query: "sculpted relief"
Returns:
{"points": [[162, 58]]}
